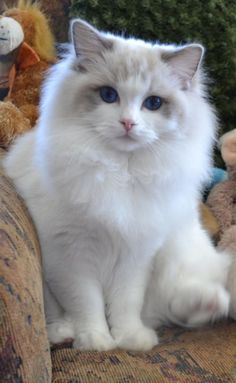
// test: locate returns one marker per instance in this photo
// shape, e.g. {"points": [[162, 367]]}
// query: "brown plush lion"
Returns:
{"points": [[23, 68]]}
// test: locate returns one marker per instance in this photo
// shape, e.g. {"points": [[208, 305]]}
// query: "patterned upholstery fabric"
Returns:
{"points": [[24, 348], [188, 356], [205, 355]]}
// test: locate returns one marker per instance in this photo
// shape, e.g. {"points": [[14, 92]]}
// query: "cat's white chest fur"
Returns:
{"points": [[118, 197]]}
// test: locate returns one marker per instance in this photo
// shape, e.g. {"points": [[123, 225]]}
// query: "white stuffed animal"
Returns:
{"points": [[11, 38]]}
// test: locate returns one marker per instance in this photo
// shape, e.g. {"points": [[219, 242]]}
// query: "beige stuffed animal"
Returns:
{"points": [[222, 202]]}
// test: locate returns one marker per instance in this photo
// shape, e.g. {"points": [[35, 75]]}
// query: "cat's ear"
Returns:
{"points": [[88, 41], [185, 61]]}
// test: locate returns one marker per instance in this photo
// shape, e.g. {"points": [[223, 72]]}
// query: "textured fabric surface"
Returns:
{"points": [[189, 356], [24, 348]]}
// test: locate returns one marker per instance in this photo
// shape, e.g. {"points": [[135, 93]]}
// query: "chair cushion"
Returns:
{"points": [[206, 355], [24, 348]]}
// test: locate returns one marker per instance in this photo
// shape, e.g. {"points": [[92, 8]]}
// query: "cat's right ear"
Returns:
{"points": [[88, 42], [184, 61]]}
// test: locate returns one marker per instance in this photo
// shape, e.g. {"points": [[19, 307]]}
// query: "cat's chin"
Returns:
{"points": [[126, 144]]}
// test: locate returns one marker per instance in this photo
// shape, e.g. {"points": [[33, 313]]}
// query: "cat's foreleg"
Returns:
{"points": [[59, 326], [79, 292], [188, 282], [91, 329], [125, 302]]}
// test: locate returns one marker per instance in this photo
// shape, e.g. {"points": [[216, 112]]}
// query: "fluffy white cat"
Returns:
{"points": [[112, 177]]}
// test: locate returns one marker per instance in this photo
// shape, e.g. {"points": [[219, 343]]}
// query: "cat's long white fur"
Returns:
{"points": [[114, 213]]}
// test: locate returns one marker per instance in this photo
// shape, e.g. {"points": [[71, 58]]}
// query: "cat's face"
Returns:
{"points": [[131, 92], [128, 101]]}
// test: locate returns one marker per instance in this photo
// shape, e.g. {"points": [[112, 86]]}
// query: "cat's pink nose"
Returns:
{"points": [[127, 124]]}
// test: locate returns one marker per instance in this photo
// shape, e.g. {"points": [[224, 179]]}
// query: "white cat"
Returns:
{"points": [[112, 177]]}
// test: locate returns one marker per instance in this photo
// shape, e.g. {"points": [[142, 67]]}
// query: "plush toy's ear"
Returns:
{"points": [[228, 149], [88, 41], [184, 61], [26, 57]]}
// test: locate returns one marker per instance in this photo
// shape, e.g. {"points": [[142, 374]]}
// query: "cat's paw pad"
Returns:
{"points": [[60, 331], [199, 303], [140, 338], [94, 341]]}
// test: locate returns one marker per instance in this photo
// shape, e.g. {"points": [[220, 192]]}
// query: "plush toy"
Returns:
{"points": [[11, 39], [26, 52], [222, 202], [209, 222], [217, 175], [208, 219]]}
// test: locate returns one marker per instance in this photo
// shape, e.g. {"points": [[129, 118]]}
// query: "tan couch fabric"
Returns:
{"points": [[189, 356], [24, 348]]}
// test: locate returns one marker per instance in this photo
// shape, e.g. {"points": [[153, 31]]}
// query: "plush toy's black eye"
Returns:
{"points": [[152, 102], [108, 94]]}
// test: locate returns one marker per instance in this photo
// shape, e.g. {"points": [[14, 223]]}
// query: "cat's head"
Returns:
{"points": [[130, 93]]}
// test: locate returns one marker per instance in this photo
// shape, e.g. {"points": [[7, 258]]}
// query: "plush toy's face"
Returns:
{"points": [[11, 35]]}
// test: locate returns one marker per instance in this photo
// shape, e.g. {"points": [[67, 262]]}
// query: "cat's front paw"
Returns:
{"points": [[60, 331], [139, 338], [197, 303], [94, 341]]}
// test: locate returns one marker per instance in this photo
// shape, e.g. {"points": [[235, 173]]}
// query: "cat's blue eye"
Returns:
{"points": [[108, 94], [152, 102]]}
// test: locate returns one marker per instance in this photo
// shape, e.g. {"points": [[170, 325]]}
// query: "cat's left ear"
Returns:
{"points": [[185, 61], [88, 41]]}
